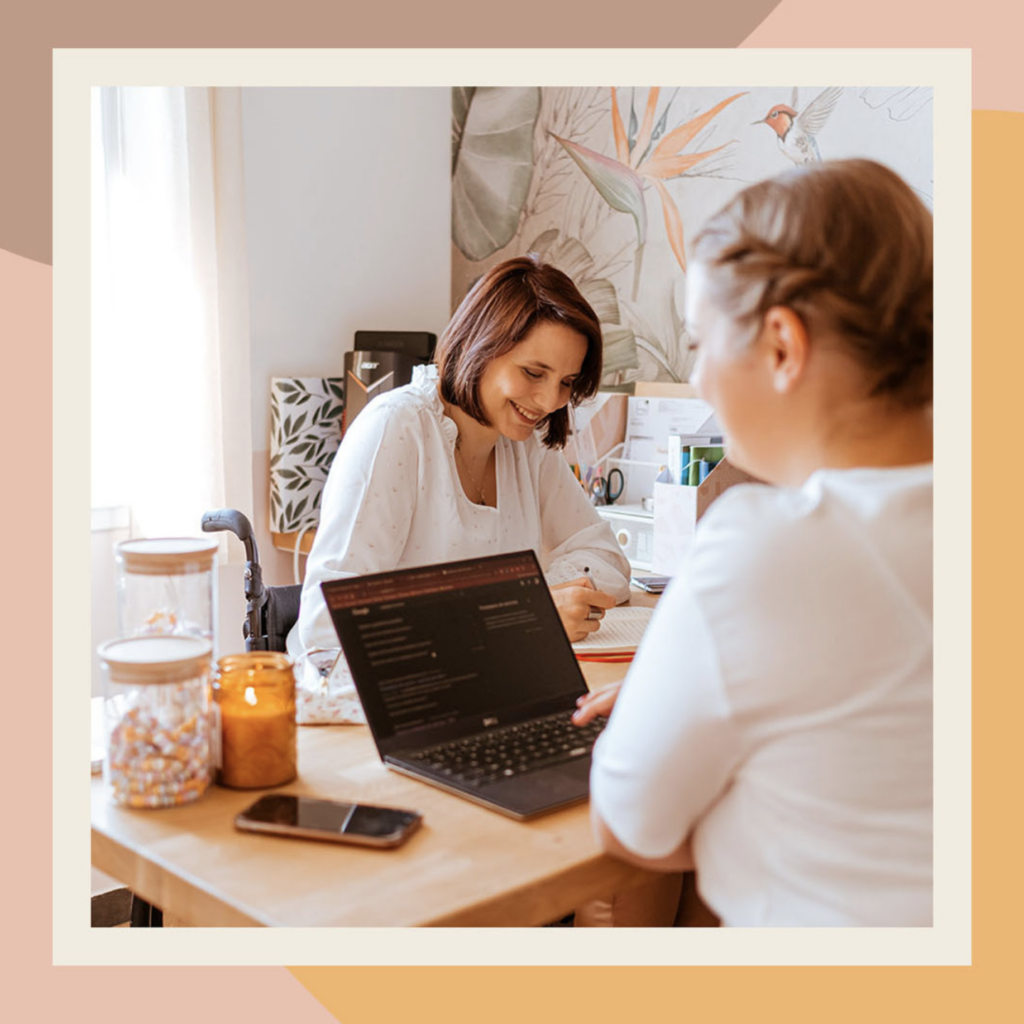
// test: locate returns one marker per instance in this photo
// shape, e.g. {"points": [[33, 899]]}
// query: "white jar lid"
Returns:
{"points": [[156, 659], [167, 556]]}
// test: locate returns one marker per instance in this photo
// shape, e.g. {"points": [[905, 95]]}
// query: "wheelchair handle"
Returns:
{"points": [[238, 523], [235, 522]]}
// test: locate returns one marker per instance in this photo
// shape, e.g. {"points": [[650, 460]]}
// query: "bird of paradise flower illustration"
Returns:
{"points": [[797, 131], [650, 160]]}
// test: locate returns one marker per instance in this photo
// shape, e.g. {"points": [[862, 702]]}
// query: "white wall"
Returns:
{"points": [[348, 202]]}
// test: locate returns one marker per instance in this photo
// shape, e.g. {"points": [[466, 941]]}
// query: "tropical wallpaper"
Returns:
{"points": [[608, 184]]}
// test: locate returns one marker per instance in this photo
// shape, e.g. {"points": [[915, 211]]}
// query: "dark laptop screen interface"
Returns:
{"points": [[445, 643]]}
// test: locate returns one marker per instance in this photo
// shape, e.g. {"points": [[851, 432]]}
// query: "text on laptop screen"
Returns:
{"points": [[445, 643]]}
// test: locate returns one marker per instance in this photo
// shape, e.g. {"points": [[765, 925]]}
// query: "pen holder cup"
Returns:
{"points": [[638, 479]]}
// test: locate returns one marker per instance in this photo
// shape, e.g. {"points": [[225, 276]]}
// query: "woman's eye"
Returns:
{"points": [[531, 374]]}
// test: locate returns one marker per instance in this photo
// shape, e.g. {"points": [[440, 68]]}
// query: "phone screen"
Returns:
{"points": [[308, 813]]}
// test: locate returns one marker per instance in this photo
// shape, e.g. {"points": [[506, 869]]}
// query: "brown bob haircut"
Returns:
{"points": [[845, 244], [497, 313]]}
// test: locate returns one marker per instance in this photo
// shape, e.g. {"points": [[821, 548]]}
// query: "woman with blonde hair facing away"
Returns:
{"points": [[775, 728], [468, 464]]}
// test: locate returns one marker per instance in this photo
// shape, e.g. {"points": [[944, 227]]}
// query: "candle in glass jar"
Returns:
{"points": [[255, 696]]}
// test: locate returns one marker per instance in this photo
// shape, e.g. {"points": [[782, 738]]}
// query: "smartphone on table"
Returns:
{"points": [[652, 584], [308, 817]]}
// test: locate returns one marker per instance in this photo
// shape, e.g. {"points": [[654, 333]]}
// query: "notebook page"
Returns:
{"points": [[621, 630]]}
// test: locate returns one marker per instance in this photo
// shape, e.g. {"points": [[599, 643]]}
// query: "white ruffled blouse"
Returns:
{"points": [[393, 500]]}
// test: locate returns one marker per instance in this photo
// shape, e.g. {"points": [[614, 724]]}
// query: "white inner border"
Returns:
{"points": [[948, 73]]}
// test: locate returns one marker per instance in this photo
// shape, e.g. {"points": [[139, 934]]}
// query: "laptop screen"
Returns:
{"points": [[443, 644]]}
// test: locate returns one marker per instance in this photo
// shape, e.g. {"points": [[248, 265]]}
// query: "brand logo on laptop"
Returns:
{"points": [[368, 366], [489, 722]]}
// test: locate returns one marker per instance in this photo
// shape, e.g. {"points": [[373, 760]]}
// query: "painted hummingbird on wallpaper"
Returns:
{"points": [[797, 130]]}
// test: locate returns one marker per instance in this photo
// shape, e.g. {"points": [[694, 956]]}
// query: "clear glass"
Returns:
{"points": [[254, 697], [158, 741]]}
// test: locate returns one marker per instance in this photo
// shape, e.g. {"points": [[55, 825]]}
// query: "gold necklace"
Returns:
{"points": [[469, 472]]}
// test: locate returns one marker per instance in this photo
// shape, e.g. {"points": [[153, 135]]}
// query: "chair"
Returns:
{"points": [[270, 612]]}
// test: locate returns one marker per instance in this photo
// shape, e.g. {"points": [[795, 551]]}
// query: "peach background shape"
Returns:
{"points": [[36, 991], [987, 26], [40, 992], [26, 84]]}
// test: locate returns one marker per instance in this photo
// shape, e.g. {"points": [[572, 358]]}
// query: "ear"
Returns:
{"points": [[786, 346]]}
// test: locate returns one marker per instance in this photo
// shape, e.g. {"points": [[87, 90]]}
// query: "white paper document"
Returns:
{"points": [[621, 629]]}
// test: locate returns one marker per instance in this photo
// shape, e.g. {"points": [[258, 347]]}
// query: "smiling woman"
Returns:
{"points": [[466, 463], [522, 387], [498, 316]]}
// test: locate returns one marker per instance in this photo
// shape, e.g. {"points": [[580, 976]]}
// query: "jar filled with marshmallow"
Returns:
{"points": [[157, 720]]}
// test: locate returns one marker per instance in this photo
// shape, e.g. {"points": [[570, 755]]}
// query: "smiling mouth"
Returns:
{"points": [[529, 417]]}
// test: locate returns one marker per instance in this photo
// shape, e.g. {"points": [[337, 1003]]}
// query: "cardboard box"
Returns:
{"points": [[664, 389], [678, 509], [602, 426]]}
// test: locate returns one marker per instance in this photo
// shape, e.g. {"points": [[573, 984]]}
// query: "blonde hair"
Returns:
{"points": [[847, 246]]}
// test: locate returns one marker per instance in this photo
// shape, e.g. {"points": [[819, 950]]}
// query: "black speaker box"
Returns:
{"points": [[418, 344]]}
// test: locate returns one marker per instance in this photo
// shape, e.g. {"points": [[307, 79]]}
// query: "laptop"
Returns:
{"points": [[468, 680]]}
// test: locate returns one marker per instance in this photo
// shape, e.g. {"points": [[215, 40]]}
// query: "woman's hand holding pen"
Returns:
{"points": [[580, 606]]}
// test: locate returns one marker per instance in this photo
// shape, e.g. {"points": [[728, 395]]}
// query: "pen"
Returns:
{"points": [[595, 612]]}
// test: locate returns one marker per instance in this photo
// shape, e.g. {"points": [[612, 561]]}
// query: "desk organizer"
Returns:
{"points": [[678, 509]]}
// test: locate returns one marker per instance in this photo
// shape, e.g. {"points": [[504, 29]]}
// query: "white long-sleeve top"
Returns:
{"points": [[779, 708], [393, 500]]}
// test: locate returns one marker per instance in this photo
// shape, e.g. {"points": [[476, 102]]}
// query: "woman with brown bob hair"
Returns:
{"points": [[775, 728], [467, 463], [499, 311]]}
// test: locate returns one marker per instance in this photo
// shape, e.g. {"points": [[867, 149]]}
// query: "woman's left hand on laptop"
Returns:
{"points": [[600, 702]]}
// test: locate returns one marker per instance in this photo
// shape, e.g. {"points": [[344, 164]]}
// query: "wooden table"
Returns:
{"points": [[466, 866]]}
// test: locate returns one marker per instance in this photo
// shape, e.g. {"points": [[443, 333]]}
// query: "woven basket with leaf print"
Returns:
{"points": [[305, 431]]}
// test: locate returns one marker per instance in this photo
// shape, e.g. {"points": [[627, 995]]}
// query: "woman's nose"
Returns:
{"points": [[552, 397]]}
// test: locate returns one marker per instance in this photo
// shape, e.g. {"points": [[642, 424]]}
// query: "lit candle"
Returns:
{"points": [[255, 694]]}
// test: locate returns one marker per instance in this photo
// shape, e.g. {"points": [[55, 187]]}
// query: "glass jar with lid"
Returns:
{"points": [[158, 725], [167, 585], [254, 701]]}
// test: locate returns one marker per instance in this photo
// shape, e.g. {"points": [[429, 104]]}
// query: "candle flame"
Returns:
{"points": [[250, 695]]}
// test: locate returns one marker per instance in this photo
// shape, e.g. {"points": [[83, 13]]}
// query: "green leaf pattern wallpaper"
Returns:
{"points": [[609, 183], [305, 430]]}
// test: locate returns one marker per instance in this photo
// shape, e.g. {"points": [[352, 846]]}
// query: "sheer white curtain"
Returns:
{"points": [[171, 389]]}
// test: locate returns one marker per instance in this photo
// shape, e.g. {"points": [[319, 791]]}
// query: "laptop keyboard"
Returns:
{"points": [[512, 750]]}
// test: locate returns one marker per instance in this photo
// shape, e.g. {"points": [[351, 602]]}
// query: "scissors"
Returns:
{"points": [[603, 490]]}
